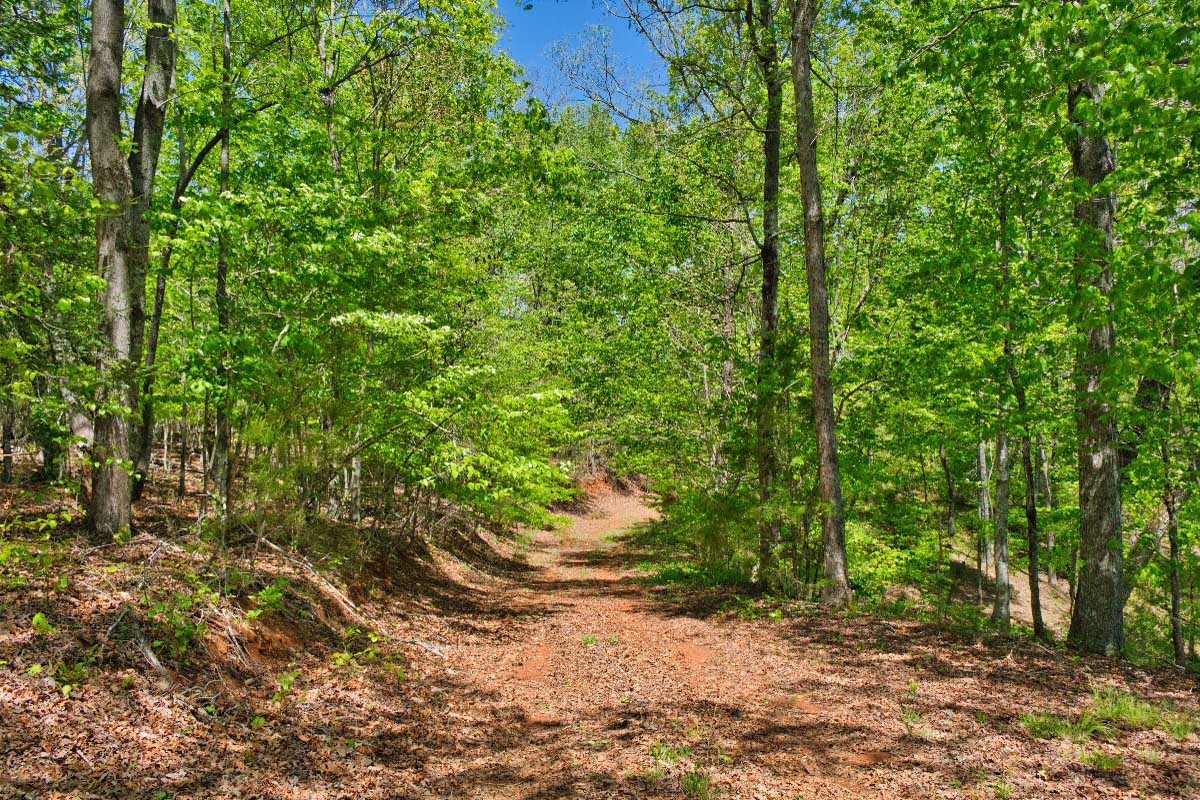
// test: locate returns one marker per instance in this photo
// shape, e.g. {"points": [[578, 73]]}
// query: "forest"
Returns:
{"points": [[819, 420]]}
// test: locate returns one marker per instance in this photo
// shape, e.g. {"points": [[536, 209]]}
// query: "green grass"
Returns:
{"points": [[1098, 759], [587, 639], [1112, 709], [1150, 756], [665, 753], [1178, 725], [1002, 789], [1042, 725], [1125, 710], [698, 786]]}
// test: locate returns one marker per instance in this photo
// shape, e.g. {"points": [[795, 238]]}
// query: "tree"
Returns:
{"points": [[125, 187], [835, 592], [1097, 624]]}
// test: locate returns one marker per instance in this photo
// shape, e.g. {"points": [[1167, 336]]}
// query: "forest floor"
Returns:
{"points": [[547, 666]]}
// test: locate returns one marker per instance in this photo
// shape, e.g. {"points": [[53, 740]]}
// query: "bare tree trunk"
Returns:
{"points": [[984, 510], [1043, 461], [220, 461], [1170, 501], [1098, 619], [109, 511], [327, 54], [142, 460], [6, 447], [762, 29], [1001, 611], [125, 188], [1031, 521], [949, 502], [836, 590], [181, 488]]}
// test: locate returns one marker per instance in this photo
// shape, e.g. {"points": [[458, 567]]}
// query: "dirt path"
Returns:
{"points": [[588, 685], [563, 677]]}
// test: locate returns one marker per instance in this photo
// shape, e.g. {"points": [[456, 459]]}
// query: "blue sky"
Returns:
{"points": [[530, 34]]}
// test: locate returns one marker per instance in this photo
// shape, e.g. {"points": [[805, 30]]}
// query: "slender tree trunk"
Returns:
{"points": [[327, 54], [836, 590], [220, 461], [6, 447], [124, 187], [984, 510], [949, 501], [1169, 500], [1001, 611], [766, 51], [1051, 573], [1031, 521], [142, 461], [181, 488], [1098, 619]]}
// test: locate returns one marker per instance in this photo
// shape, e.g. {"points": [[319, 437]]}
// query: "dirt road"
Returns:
{"points": [[589, 685]]}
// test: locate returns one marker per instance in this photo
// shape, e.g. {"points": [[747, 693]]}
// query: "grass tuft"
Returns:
{"points": [[698, 786], [1099, 760]]}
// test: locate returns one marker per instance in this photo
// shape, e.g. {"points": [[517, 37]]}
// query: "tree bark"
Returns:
{"points": [[984, 510], [1031, 521], [109, 510], [835, 592], [762, 30], [6, 447], [1170, 501], [142, 460], [949, 501], [1098, 618], [220, 461], [1043, 461], [1001, 610], [125, 188]]}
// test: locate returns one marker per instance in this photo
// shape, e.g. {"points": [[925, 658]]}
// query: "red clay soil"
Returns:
{"points": [[574, 679]]}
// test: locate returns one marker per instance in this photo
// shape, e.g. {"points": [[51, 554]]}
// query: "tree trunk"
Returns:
{"points": [[142, 461], [1170, 501], [836, 590], [766, 51], [984, 511], [1098, 619], [109, 510], [949, 502], [1051, 573], [6, 447], [327, 54], [220, 461], [1031, 521], [1001, 611], [181, 487], [125, 188]]}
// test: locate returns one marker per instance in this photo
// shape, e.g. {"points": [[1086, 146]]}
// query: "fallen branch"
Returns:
{"points": [[425, 646], [344, 603]]}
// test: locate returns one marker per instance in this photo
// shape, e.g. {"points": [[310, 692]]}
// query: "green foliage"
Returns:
{"points": [[41, 625], [666, 754], [1100, 760], [1086, 726], [268, 599], [448, 301], [699, 786], [285, 681]]}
